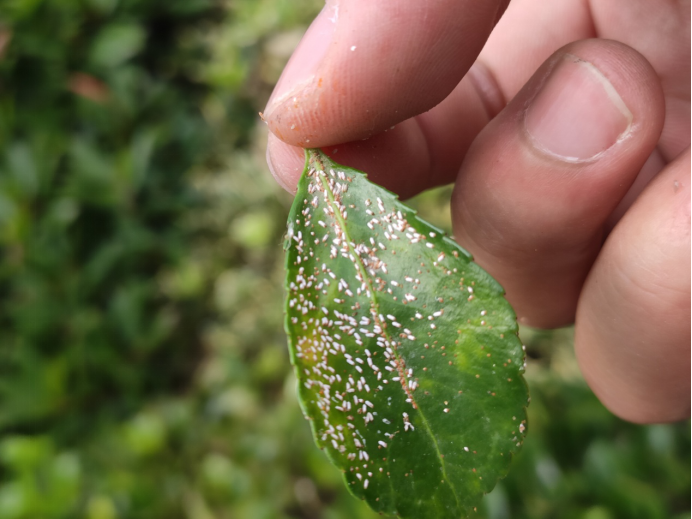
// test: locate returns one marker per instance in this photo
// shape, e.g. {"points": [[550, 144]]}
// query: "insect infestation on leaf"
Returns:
{"points": [[406, 351]]}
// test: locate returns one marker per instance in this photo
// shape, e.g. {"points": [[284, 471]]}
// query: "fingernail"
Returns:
{"points": [[577, 114], [299, 74]]}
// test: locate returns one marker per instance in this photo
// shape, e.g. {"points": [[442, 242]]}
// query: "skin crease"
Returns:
{"points": [[568, 238]]}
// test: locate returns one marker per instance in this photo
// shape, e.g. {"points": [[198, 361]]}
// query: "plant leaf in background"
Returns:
{"points": [[406, 352]]}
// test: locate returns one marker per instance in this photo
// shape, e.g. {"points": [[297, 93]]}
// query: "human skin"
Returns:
{"points": [[566, 129]]}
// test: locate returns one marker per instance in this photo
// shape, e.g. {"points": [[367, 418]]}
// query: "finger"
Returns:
{"points": [[434, 143], [364, 66], [417, 154], [379, 156], [539, 182], [660, 31], [503, 68], [633, 323]]}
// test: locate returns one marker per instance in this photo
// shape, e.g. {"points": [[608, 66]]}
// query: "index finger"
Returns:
{"points": [[366, 65]]}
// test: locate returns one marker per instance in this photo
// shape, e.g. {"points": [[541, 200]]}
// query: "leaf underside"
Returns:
{"points": [[408, 362]]}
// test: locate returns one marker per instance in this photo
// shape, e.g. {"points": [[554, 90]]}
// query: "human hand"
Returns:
{"points": [[553, 136]]}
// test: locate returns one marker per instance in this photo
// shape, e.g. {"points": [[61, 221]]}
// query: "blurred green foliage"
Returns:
{"points": [[99, 124], [143, 365]]}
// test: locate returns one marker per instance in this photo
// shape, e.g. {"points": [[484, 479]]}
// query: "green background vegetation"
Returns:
{"points": [[143, 363]]}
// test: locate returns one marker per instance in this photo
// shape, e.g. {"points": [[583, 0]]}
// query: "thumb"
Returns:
{"points": [[366, 65]]}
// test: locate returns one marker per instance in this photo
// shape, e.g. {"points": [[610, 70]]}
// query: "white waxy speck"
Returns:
{"points": [[353, 48], [429, 245], [466, 449], [446, 410], [382, 444], [365, 483]]}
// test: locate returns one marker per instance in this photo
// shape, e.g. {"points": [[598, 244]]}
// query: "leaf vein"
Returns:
{"points": [[375, 304]]}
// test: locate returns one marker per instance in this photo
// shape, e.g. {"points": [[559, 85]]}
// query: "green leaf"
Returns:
{"points": [[117, 43], [407, 356]]}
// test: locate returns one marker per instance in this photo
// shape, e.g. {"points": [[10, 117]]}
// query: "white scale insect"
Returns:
{"points": [[407, 423]]}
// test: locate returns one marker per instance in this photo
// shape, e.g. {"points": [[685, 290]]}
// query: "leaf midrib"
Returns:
{"points": [[373, 298]]}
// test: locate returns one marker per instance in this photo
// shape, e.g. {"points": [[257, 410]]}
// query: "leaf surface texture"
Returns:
{"points": [[406, 351]]}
